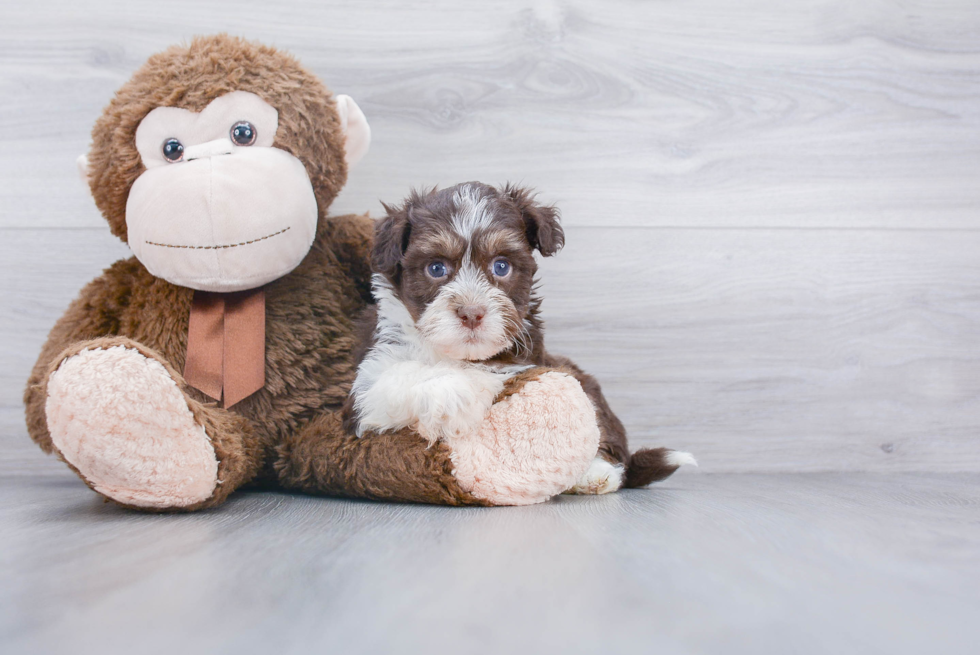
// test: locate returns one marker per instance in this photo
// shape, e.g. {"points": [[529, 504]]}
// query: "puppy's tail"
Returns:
{"points": [[654, 464]]}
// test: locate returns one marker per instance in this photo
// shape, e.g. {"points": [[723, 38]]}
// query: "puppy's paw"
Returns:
{"points": [[455, 404], [601, 478]]}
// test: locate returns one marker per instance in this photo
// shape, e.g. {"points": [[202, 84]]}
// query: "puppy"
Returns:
{"points": [[457, 315]]}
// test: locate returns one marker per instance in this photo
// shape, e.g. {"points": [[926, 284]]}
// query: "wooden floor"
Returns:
{"points": [[704, 563]]}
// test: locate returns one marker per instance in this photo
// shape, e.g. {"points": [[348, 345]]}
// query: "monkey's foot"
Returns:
{"points": [[535, 443], [119, 418]]}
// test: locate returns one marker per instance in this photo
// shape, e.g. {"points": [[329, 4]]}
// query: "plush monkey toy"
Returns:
{"points": [[221, 353]]}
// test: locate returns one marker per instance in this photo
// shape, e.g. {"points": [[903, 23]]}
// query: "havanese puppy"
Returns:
{"points": [[457, 316]]}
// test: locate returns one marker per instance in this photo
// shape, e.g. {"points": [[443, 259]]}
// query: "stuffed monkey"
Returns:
{"points": [[220, 354]]}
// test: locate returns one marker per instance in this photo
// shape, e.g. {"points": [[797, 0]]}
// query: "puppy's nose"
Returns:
{"points": [[471, 315]]}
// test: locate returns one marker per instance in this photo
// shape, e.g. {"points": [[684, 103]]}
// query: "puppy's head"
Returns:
{"points": [[461, 261]]}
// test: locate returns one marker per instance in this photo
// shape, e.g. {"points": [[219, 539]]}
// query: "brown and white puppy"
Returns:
{"points": [[457, 315]]}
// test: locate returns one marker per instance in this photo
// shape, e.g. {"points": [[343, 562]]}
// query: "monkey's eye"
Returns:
{"points": [[243, 134], [501, 267], [173, 150], [437, 270]]}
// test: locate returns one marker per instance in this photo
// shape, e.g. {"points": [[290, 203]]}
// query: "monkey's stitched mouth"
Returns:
{"points": [[220, 247]]}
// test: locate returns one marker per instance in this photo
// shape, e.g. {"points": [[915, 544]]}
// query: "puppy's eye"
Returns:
{"points": [[243, 134], [501, 268], [437, 270], [173, 150]]}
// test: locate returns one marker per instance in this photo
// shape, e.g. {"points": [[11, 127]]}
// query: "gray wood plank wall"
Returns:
{"points": [[773, 209]]}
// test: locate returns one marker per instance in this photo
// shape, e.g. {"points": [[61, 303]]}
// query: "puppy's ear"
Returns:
{"points": [[541, 222], [390, 242]]}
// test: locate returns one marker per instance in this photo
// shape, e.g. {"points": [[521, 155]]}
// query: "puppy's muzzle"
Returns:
{"points": [[471, 315]]}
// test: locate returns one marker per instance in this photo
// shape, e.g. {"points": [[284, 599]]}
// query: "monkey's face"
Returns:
{"points": [[219, 207]]}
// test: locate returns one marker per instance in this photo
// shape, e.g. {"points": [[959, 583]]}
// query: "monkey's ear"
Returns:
{"points": [[390, 242], [357, 132], [82, 163], [541, 222]]}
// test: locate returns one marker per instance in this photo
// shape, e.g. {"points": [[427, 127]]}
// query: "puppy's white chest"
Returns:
{"points": [[405, 382]]}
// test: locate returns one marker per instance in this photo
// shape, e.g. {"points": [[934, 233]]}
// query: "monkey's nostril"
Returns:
{"points": [[471, 315]]}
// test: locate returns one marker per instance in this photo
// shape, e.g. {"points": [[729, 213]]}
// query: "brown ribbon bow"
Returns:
{"points": [[226, 344]]}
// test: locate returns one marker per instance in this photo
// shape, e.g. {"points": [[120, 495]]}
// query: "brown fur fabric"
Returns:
{"points": [[392, 466], [309, 324]]}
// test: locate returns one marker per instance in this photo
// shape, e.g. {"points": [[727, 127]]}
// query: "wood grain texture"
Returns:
{"points": [[629, 113], [762, 350], [813, 563], [773, 211]]}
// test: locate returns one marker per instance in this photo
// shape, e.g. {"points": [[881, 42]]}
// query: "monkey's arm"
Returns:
{"points": [[537, 440], [350, 238], [399, 466]]}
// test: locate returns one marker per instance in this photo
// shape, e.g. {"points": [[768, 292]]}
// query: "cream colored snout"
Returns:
{"points": [[223, 218]]}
